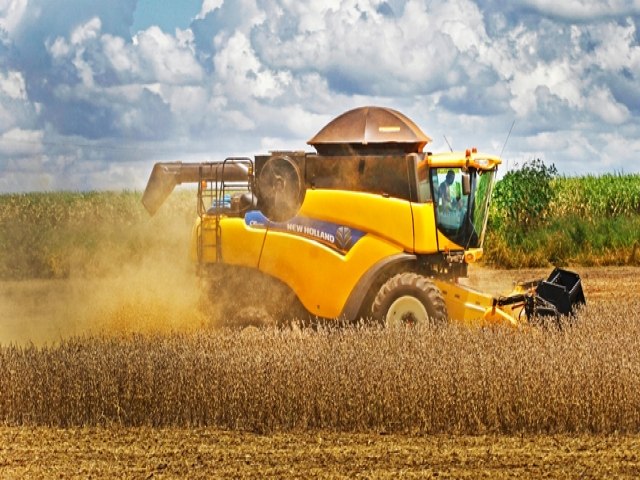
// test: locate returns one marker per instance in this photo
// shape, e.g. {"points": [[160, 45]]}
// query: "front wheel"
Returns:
{"points": [[408, 300]]}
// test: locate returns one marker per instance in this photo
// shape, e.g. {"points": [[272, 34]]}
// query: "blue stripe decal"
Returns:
{"points": [[339, 237]]}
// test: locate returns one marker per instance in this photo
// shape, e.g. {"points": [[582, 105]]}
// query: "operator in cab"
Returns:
{"points": [[444, 193]]}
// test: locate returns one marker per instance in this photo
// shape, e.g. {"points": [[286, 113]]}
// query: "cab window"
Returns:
{"points": [[447, 187]]}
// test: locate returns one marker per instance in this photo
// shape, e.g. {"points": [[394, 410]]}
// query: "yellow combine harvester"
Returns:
{"points": [[369, 227]]}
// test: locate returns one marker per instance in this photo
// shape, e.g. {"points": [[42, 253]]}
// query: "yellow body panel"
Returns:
{"points": [[471, 307], [384, 217], [474, 159], [464, 304], [446, 245], [427, 238], [424, 227], [240, 244], [321, 277]]}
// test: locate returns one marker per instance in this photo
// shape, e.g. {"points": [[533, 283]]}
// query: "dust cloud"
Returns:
{"points": [[114, 289], [156, 295]]}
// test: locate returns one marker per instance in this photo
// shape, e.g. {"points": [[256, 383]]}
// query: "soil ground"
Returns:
{"points": [[599, 283], [43, 311], [194, 453]]}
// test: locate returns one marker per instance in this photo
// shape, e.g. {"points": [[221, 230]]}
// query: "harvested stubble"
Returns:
{"points": [[583, 379]]}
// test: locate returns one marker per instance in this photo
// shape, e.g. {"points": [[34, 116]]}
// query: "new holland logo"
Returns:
{"points": [[336, 237], [343, 238]]}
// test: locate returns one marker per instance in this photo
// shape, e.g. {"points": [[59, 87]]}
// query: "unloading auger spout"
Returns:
{"points": [[165, 177]]}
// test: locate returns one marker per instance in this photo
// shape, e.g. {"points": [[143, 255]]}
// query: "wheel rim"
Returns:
{"points": [[406, 311]]}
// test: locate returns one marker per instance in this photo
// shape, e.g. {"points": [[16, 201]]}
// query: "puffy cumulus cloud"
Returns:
{"points": [[170, 59], [208, 6], [122, 88], [86, 104], [22, 167], [150, 57], [557, 77], [21, 142], [622, 150], [213, 26], [614, 46], [240, 74], [17, 114], [591, 152], [361, 48], [584, 10], [12, 85], [11, 13], [602, 104], [562, 74]]}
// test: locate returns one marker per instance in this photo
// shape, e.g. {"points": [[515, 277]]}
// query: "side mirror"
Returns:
{"points": [[466, 184]]}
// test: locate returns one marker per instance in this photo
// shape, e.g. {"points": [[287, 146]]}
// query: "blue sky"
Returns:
{"points": [[168, 15], [93, 93]]}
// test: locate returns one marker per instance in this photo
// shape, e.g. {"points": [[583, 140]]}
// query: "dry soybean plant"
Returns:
{"points": [[585, 378]]}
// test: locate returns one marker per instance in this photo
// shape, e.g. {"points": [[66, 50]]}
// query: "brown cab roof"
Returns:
{"points": [[371, 125]]}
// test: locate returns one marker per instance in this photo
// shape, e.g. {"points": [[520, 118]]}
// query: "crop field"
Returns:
{"points": [[109, 368], [205, 453], [141, 393], [539, 218]]}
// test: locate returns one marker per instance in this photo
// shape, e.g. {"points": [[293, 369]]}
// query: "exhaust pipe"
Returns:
{"points": [[165, 176]]}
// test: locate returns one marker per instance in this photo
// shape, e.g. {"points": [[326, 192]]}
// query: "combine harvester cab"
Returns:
{"points": [[368, 226]]}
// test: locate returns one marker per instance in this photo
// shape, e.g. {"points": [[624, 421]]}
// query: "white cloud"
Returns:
{"points": [[19, 142], [558, 78], [12, 85], [620, 151], [602, 104], [121, 56], [151, 56], [362, 51], [59, 48], [186, 100], [255, 75], [171, 59], [209, 6], [463, 22], [616, 46], [585, 9], [16, 110], [88, 31], [240, 73], [11, 14]]}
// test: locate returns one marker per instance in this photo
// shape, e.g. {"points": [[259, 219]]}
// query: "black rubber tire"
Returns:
{"points": [[407, 291]]}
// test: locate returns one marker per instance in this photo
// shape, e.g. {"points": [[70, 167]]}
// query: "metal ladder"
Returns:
{"points": [[212, 190]]}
